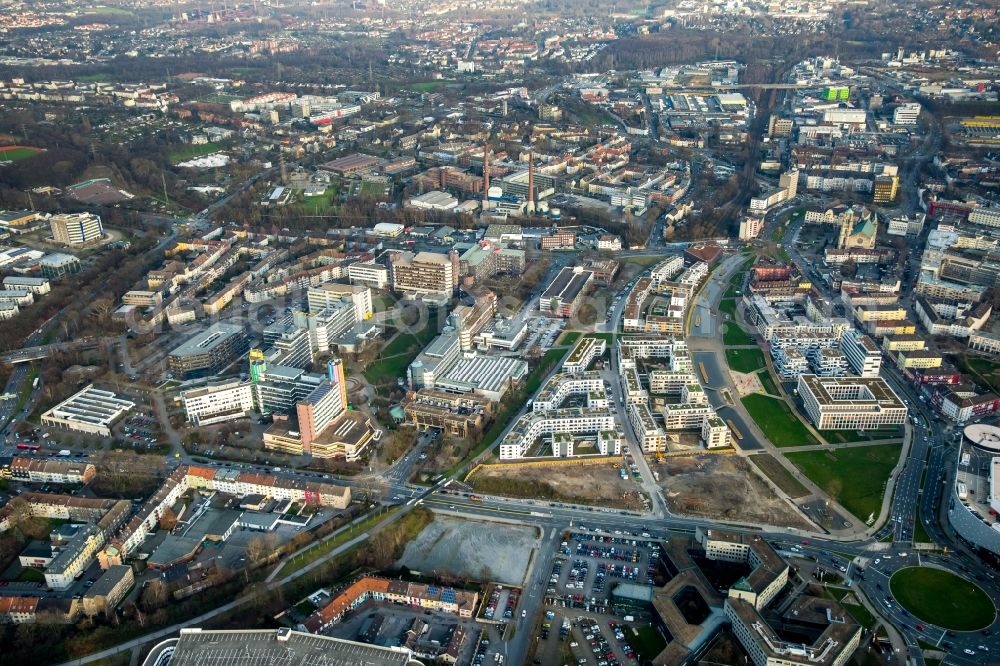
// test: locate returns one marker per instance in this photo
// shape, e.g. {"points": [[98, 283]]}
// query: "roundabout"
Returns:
{"points": [[941, 598]]}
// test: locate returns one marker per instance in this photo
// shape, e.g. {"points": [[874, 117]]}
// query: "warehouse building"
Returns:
{"points": [[91, 411], [196, 647], [564, 295]]}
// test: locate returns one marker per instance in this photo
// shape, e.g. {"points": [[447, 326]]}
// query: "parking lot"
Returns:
{"points": [[582, 625]]}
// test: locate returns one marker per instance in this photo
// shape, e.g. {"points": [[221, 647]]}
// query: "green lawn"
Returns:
{"points": [[855, 477], [777, 421], [986, 370], [218, 98], [17, 154], [942, 598], [728, 306], [426, 86], [745, 360], [324, 204], [767, 381], [861, 614], [733, 335], [190, 152], [399, 353], [648, 643], [920, 534], [30, 575], [372, 189], [780, 476], [108, 11]]}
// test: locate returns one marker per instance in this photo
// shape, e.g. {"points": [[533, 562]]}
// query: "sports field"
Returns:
{"points": [[17, 153]]}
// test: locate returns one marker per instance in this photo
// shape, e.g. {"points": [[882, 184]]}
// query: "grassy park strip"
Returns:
{"points": [[854, 477], [745, 360], [777, 421]]}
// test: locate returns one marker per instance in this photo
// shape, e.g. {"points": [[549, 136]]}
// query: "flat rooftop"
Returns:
{"points": [[857, 392], [266, 647], [207, 340], [91, 405], [567, 284]]}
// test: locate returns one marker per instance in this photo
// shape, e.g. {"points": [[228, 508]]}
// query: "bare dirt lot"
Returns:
{"points": [[478, 550], [723, 487], [580, 484]]}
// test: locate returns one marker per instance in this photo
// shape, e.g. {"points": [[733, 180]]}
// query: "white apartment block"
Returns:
{"points": [[750, 227], [827, 362], [985, 342], [585, 351], [715, 433], [668, 382], [790, 362], [217, 403], [562, 385], [39, 286], [18, 297], [634, 392], [850, 403], [520, 440], [863, 355], [804, 341], [667, 270], [74, 559], [692, 393], [650, 435], [686, 416]]}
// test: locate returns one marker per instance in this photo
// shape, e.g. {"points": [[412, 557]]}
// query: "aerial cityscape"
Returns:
{"points": [[549, 332]]}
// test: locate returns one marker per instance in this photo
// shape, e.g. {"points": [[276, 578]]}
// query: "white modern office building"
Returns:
{"points": [[850, 403]]}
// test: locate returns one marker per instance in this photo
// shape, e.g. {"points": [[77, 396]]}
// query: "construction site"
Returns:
{"points": [[593, 482], [722, 487]]}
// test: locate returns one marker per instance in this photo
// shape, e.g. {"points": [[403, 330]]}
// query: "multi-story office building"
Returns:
{"points": [[850, 403], [863, 355], [470, 320], [57, 264], [906, 114], [327, 296], [884, 189], [455, 414], [76, 229], [371, 275], [287, 344], [435, 359], [209, 352], [218, 402], [427, 275]]}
